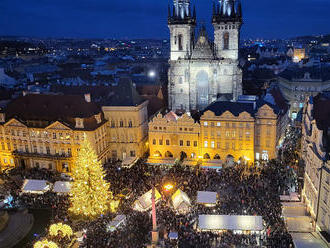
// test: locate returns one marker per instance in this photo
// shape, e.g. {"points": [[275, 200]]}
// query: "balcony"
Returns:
{"points": [[42, 155]]}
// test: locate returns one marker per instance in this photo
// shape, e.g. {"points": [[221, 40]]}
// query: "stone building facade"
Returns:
{"points": [[315, 153], [201, 71], [46, 131], [225, 131]]}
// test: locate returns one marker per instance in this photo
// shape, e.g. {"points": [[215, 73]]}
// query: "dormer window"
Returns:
{"points": [[98, 118], [79, 123]]}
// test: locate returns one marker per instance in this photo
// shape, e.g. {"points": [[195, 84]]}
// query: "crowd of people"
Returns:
{"points": [[241, 191]]}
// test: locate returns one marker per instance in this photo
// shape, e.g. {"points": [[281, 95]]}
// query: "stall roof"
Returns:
{"points": [[173, 235], [144, 203], [35, 186], [307, 240], [230, 222], [180, 200], [62, 187], [116, 222], [206, 197]]}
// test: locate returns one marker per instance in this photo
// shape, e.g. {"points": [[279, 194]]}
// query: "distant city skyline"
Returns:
{"points": [[140, 19]]}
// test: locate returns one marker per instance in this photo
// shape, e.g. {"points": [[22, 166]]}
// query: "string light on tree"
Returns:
{"points": [[60, 229], [89, 196]]}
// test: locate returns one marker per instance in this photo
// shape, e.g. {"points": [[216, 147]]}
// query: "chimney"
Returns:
{"points": [[88, 97]]}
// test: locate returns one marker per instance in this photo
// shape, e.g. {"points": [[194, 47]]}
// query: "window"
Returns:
{"points": [[212, 124], [267, 143], [188, 143], [212, 144], [35, 149], [8, 145], [154, 142], [234, 134], [69, 152], [5, 161], [54, 135], [218, 124], [181, 142], [218, 134], [132, 154], [113, 124], [234, 125], [167, 142], [218, 145], [160, 142], [247, 135], [130, 124], [121, 124], [47, 150], [212, 134], [195, 143], [268, 131], [227, 134], [180, 42], [247, 125], [226, 41], [205, 124], [205, 133], [26, 148]]}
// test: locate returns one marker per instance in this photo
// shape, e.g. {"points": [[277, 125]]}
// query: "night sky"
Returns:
{"points": [[148, 18]]}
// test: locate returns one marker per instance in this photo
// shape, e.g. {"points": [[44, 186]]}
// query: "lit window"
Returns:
{"points": [[218, 124], [212, 144], [205, 123], [195, 143], [167, 142], [206, 144], [188, 143]]}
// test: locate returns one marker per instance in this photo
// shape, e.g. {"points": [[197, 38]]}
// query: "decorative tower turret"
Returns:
{"points": [[181, 23], [227, 21]]}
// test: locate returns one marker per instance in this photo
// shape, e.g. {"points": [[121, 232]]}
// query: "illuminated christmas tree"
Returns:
{"points": [[90, 196]]}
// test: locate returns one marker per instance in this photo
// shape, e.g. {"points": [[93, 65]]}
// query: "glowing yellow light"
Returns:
{"points": [[168, 187], [60, 229], [45, 244]]}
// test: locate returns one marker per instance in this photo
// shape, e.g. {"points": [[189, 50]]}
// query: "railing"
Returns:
{"points": [[44, 155]]}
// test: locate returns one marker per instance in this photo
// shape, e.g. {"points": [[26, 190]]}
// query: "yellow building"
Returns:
{"points": [[225, 132], [45, 131]]}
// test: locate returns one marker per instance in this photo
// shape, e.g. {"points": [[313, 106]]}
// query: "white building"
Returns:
{"points": [[315, 153], [201, 71]]}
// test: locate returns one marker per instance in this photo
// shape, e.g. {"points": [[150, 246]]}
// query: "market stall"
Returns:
{"points": [[35, 186]]}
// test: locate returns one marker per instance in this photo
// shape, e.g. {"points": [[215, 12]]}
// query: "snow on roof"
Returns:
{"points": [[206, 197], [35, 186], [180, 199], [144, 203], [230, 222]]}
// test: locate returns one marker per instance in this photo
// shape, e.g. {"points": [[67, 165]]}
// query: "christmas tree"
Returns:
{"points": [[89, 195]]}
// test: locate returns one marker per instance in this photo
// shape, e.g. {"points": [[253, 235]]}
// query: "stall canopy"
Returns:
{"points": [[62, 187], [116, 222], [173, 235], [207, 197], [307, 240], [35, 186], [144, 203], [230, 222], [180, 200]]}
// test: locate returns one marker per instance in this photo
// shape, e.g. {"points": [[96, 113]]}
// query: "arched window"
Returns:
{"points": [[130, 124], [226, 41], [121, 123], [206, 156]]}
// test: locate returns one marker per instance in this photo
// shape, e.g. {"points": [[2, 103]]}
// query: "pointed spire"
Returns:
{"points": [[239, 9]]}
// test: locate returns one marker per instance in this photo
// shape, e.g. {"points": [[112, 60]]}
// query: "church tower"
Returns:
{"points": [[181, 23], [227, 22]]}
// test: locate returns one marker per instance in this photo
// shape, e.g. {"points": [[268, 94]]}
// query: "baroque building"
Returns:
{"points": [[202, 71], [224, 132], [315, 154], [46, 131]]}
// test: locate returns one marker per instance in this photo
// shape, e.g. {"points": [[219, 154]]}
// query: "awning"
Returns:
{"points": [[173, 235], [144, 203], [35, 186], [129, 162], [230, 222], [207, 197], [299, 224], [62, 187], [307, 240]]}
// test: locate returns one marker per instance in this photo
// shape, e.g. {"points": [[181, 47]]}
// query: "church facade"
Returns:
{"points": [[202, 71]]}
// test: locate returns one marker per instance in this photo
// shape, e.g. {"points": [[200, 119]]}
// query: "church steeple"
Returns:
{"points": [[182, 13], [228, 11]]}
